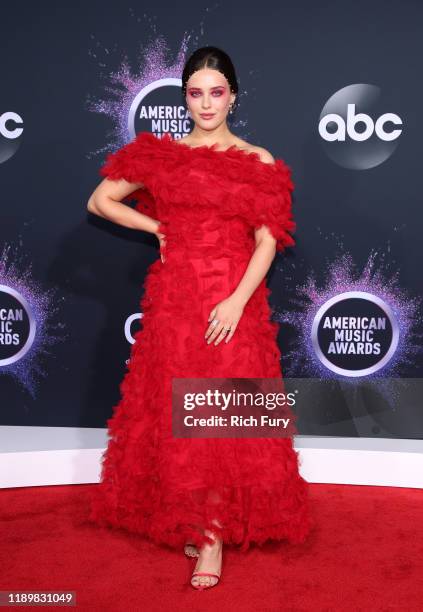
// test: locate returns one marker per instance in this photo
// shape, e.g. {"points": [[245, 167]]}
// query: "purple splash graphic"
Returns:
{"points": [[342, 277], [125, 86], [17, 275]]}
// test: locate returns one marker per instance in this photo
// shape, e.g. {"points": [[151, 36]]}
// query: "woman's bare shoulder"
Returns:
{"points": [[264, 154]]}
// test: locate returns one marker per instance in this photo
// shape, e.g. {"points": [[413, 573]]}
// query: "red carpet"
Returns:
{"points": [[366, 553]]}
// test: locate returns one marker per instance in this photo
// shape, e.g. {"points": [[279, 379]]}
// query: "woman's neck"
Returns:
{"points": [[221, 135]]}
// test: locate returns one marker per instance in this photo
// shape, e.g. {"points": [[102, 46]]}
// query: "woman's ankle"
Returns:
{"points": [[216, 542]]}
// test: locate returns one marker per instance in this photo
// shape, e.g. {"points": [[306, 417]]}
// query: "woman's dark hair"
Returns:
{"points": [[211, 57]]}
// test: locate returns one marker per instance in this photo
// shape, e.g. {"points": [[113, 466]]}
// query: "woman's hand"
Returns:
{"points": [[162, 244], [227, 313]]}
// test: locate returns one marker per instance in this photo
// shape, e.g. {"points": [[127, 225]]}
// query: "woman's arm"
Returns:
{"points": [[105, 202], [258, 266]]}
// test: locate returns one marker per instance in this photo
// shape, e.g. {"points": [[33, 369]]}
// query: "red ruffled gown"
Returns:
{"points": [[153, 484]]}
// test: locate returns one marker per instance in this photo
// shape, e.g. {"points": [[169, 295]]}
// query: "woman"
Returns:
{"points": [[220, 208]]}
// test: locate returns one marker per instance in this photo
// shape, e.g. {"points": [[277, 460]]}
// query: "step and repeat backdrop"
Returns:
{"points": [[333, 88]]}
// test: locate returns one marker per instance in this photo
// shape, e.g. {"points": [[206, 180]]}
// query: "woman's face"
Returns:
{"points": [[208, 97]]}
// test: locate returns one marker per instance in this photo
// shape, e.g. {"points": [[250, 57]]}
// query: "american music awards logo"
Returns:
{"points": [[355, 333], [158, 108], [17, 325], [26, 327]]}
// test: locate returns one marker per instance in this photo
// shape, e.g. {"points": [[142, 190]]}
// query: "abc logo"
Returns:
{"points": [[6, 121], [356, 130], [10, 131], [352, 119]]}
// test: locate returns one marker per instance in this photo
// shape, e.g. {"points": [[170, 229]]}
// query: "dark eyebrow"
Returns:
{"points": [[215, 87]]}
